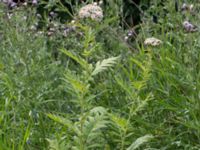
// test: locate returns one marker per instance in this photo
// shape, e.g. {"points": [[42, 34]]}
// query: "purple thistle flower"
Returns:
{"points": [[189, 27], [12, 4], [34, 2]]}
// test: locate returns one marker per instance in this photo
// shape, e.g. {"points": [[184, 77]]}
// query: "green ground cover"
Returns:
{"points": [[94, 85]]}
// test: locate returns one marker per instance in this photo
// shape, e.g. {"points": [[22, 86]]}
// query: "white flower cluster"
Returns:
{"points": [[91, 11], [152, 41], [186, 7]]}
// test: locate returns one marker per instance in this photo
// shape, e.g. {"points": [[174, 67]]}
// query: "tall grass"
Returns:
{"points": [[93, 89]]}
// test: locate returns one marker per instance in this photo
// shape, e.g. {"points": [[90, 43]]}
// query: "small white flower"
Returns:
{"points": [[191, 7], [9, 15], [100, 2], [130, 34], [38, 15], [33, 27], [25, 18], [73, 21], [152, 41], [25, 4], [91, 11], [126, 38], [95, 3], [184, 7]]}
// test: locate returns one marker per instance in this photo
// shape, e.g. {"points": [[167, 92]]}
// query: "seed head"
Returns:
{"points": [[152, 41]]}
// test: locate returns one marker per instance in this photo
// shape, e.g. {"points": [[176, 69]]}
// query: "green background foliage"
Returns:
{"points": [[82, 85]]}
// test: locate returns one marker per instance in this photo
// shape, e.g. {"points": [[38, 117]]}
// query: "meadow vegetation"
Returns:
{"points": [[93, 83]]}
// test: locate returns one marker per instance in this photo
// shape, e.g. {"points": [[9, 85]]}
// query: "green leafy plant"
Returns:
{"points": [[87, 132], [84, 84]]}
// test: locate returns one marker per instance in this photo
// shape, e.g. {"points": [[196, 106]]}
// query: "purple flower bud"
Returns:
{"points": [[12, 4], [52, 14], [130, 33], [34, 2], [189, 27]]}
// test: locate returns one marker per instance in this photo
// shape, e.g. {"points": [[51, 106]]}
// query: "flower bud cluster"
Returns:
{"points": [[92, 11]]}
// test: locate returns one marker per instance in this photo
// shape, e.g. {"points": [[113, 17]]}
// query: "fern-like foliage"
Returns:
{"points": [[91, 126], [104, 65], [87, 132], [78, 84], [132, 84], [121, 130], [57, 145], [145, 68]]}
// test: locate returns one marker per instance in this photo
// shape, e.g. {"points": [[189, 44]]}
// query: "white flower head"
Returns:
{"points": [[152, 41], [92, 11], [100, 2], [191, 7], [126, 38], [73, 21], [184, 7]]}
